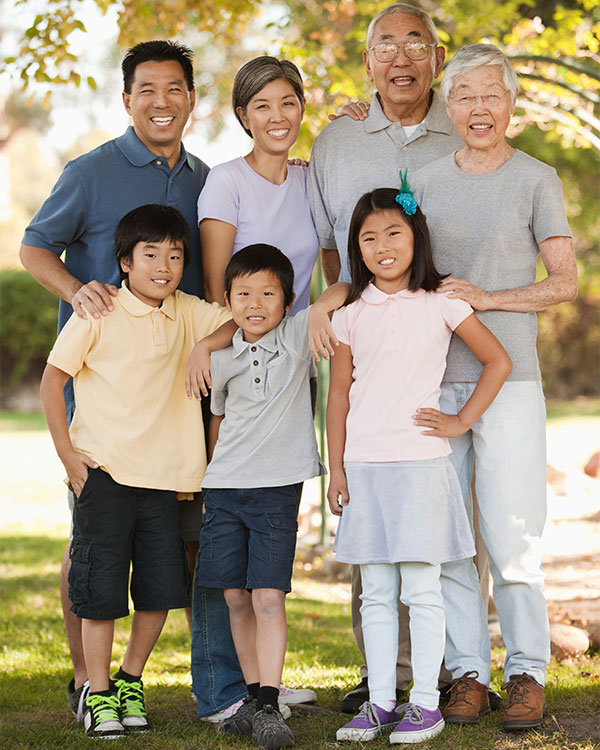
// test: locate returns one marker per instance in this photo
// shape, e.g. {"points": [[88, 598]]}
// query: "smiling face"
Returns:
{"points": [[273, 116], [160, 105], [154, 270], [480, 108], [257, 304], [386, 245], [403, 85]]}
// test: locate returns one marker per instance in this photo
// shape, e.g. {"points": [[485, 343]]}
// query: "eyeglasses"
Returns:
{"points": [[388, 51], [490, 101]]}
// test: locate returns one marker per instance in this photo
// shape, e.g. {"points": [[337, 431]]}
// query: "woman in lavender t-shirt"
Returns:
{"points": [[260, 197]]}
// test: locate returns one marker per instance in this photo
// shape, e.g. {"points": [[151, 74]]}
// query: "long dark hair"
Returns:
{"points": [[423, 273]]}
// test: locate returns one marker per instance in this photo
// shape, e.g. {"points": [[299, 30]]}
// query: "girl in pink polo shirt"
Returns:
{"points": [[398, 497]]}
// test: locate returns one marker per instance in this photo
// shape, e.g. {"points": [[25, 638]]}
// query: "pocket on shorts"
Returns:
{"points": [[79, 572], [206, 535], [283, 530]]}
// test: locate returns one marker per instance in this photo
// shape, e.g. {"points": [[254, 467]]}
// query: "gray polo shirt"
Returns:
{"points": [[267, 438], [487, 228], [350, 158]]}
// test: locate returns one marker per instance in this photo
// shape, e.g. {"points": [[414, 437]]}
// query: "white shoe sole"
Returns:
{"points": [[302, 695], [410, 738]]}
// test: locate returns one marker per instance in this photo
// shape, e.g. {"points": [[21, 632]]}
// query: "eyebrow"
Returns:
{"points": [[287, 96], [385, 37], [153, 83], [372, 231]]}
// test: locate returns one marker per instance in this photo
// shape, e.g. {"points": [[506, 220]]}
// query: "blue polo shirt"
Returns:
{"points": [[96, 190]]}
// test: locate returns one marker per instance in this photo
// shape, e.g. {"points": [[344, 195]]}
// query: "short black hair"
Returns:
{"points": [[423, 273], [261, 257], [151, 223], [159, 50]]}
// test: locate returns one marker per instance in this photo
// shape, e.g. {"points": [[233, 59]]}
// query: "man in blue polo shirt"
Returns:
{"points": [[148, 164]]}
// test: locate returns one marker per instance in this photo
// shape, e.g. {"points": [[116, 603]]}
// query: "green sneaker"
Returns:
{"points": [[101, 717], [131, 701]]}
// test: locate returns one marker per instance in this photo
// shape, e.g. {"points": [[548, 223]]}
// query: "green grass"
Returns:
{"points": [[34, 671]]}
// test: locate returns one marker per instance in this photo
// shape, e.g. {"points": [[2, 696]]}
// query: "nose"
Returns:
{"points": [[160, 98]]}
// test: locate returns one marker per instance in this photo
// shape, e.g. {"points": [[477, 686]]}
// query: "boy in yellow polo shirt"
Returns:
{"points": [[135, 441]]}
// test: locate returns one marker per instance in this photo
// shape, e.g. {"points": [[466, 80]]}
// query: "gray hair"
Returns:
{"points": [[473, 56], [407, 10], [256, 74]]}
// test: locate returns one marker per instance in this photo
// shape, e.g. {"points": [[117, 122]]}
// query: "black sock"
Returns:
{"points": [[253, 689], [268, 696], [105, 693], [123, 675]]}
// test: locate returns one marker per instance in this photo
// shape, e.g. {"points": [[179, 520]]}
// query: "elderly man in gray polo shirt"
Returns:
{"points": [[406, 128]]}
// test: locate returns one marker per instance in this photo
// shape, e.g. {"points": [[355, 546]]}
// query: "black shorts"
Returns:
{"points": [[113, 526]]}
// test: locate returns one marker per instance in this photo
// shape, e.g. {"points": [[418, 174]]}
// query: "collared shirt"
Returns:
{"points": [[267, 438], [133, 416], [351, 157], [93, 194], [398, 344]]}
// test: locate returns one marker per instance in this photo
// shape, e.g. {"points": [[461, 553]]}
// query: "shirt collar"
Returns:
{"points": [[374, 296], [436, 119], [268, 342], [138, 309], [139, 155]]}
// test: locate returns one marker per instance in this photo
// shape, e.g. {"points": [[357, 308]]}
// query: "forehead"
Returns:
{"points": [[276, 89], [166, 244], [157, 72], [380, 219], [255, 280], [397, 26], [485, 77]]}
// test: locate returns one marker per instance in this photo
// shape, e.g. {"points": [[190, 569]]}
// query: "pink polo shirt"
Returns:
{"points": [[399, 344]]}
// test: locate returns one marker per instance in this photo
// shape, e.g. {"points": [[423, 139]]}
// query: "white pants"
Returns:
{"points": [[422, 594], [508, 444]]}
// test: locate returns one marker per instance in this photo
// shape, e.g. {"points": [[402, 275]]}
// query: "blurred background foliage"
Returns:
{"points": [[554, 46]]}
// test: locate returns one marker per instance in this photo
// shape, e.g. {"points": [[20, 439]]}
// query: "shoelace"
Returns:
{"points": [[412, 712], [460, 687], [104, 708], [131, 698], [517, 688], [368, 712]]}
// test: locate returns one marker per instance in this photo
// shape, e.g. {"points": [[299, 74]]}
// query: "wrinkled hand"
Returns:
{"points": [[439, 424], [197, 372], [95, 298], [77, 465], [356, 110], [337, 493], [463, 289], [297, 162], [321, 337]]}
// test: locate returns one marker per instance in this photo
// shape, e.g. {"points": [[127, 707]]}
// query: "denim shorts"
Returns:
{"points": [[248, 538], [113, 526]]}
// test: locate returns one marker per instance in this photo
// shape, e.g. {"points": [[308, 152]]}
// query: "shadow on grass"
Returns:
{"points": [[35, 551]]}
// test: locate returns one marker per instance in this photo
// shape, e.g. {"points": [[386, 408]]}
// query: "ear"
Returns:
{"points": [[241, 113], [227, 302], [513, 106], [192, 99], [127, 102], [440, 56], [367, 63], [289, 307], [126, 264]]}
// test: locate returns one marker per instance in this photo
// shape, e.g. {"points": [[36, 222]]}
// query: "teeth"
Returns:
{"points": [[386, 262], [481, 127], [160, 281], [402, 81], [255, 318], [278, 133], [162, 120]]}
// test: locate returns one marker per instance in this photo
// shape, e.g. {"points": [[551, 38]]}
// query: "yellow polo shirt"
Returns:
{"points": [[132, 414]]}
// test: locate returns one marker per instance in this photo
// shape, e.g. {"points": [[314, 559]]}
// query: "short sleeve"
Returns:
{"points": [[218, 393], [207, 317], [220, 198], [549, 218], [63, 216], [316, 195], [339, 323], [294, 333], [73, 344], [454, 311]]}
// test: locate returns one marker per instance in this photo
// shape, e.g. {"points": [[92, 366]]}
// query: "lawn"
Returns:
{"points": [[34, 663]]}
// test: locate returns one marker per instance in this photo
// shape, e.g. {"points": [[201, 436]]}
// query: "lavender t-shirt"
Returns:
{"points": [[263, 212]]}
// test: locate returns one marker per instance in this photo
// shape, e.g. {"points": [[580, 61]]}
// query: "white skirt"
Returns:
{"points": [[403, 511]]}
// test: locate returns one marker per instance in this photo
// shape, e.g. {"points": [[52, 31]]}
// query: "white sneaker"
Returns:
{"points": [[228, 712], [288, 695]]}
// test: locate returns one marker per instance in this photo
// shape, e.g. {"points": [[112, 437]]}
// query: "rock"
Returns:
{"points": [[567, 641], [496, 640], [595, 636], [592, 468]]}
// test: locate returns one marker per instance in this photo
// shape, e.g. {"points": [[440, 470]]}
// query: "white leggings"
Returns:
{"points": [[422, 594]]}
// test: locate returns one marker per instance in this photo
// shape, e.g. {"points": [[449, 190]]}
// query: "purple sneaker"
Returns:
{"points": [[368, 723], [418, 724]]}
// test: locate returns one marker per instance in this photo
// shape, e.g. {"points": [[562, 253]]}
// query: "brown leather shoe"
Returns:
{"points": [[525, 702], [468, 700]]}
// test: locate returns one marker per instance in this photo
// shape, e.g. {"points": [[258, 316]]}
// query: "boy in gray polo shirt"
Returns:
{"points": [[263, 446]]}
